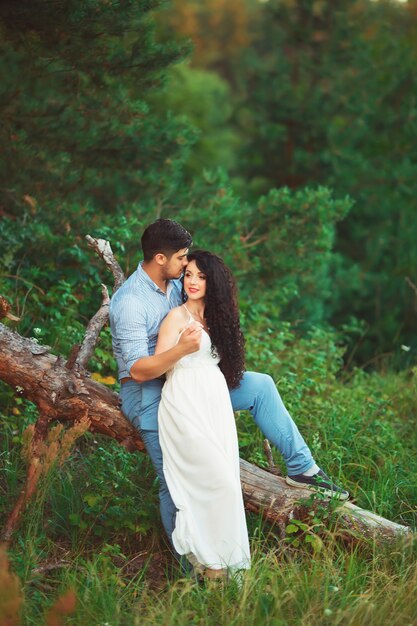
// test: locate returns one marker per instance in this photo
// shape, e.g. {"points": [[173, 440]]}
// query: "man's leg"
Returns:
{"points": [[140, 411], [140, 406], [167, 507], [258, 394]]}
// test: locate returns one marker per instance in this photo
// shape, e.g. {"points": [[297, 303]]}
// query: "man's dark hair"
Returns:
{"points": [[164, 236]]}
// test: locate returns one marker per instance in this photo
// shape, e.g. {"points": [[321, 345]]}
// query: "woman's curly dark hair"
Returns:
{"points": [[222, 315]]}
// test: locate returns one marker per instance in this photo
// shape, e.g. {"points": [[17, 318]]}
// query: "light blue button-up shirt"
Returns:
{"points": [[136, 313]]}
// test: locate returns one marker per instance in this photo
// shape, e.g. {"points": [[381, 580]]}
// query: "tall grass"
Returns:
{"points": [[366, 586], [93, 532]]}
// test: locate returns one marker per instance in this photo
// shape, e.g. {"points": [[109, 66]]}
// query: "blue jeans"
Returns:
{"points": [[256, 393]]}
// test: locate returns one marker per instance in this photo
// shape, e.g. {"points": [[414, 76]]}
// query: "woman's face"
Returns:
{"points": [[194, 282]]}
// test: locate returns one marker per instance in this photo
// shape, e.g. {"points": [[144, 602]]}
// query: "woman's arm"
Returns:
{"points": [[170, 328]]}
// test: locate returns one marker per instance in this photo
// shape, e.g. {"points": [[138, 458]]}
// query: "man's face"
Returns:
{"points": [[175, 265]]}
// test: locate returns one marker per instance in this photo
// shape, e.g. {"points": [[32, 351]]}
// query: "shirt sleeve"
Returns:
{"points": [[130, 329]]}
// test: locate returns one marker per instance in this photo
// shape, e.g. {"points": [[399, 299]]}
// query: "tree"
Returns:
{"points": [[80, 142], [202, 98], [219, 30], [329, 97]]}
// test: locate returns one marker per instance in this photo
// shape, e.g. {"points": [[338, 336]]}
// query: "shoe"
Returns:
{"points": [[319, 482]]}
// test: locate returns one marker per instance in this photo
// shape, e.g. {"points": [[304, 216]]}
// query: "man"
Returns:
{"points": [[136, 312]]}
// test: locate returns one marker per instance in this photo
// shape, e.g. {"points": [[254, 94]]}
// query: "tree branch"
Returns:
{"points": [[103, 249]]}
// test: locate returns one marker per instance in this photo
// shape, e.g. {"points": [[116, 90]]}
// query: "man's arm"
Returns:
{"points": [[167, 351]]}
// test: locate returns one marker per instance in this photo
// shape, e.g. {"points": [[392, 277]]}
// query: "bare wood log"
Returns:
{"points": [[5, 309], [60, 394], [93, 330], [104, 251], [68, 395], [65, 395], [279, 503], [76, 363]]}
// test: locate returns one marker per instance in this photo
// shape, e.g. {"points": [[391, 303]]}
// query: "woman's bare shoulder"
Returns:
{"points": [[177, 315]]}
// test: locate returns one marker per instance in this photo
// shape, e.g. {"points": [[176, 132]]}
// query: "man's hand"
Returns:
{"points": [[191, 338], [150, 367]]}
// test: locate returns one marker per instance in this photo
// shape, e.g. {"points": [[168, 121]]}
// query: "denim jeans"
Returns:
{"points": [[256, 393]]}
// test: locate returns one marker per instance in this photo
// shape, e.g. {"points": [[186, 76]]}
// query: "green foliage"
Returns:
{"points": [[360, 429], [16, 414], [104, 492], [101, 492], [334, 587], [332, 102], [280, 250], [205, 100], [295, 258], [83, 150], [373, 143], [101, 134], [79, 121], [100, 509], [300, 533], [318, 525]]}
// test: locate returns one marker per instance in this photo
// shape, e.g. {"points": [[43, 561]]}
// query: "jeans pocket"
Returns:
{"points": [[131, 402], [151, 393]]}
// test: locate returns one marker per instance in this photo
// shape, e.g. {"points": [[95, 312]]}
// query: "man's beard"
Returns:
{"points": [[168, 275]]}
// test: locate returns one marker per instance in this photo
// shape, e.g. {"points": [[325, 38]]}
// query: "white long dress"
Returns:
{"points": [[199, 444]]}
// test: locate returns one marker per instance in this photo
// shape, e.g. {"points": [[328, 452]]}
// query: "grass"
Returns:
{"points": [[94, 527], [358, 586]]}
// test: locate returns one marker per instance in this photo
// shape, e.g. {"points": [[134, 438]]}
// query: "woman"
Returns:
{"points": [[197, 430]]}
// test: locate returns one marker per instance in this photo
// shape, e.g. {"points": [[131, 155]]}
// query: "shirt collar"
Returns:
{"points": [[144, 277]]}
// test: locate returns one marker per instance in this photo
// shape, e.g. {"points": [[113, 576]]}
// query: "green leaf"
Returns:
{"points": [[291, 528], [91, 499]]}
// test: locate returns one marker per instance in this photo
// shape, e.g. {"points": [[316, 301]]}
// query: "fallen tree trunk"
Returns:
{"points": [[279, 504], [69, 395], [65, 394], [63, 391]]}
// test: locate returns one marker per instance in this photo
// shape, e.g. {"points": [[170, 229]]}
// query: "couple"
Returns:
{"points": [[198, 345]]}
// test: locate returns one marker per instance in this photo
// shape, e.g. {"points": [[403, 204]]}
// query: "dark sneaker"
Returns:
{"points": [[319, 482]]}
